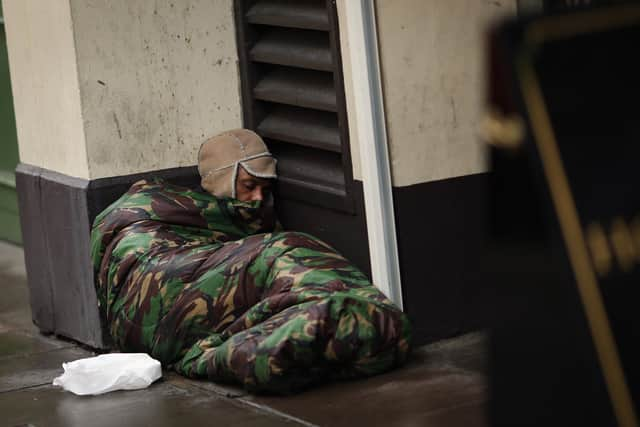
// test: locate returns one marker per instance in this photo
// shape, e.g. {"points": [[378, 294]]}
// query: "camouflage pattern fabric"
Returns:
{"points": [[202, 285]]}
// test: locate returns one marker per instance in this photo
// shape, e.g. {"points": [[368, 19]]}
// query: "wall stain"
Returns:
{"points": [[453, 112], [117, 122], [158, 107]]}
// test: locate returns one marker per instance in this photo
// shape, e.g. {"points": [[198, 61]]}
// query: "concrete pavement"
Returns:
{"points": [[443, 385]]}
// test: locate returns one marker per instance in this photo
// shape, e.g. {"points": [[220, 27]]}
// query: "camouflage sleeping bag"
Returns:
{"points": [[202, 285]]}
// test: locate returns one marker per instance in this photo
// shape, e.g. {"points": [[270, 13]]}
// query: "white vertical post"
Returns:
{"points": [[374, 157]]}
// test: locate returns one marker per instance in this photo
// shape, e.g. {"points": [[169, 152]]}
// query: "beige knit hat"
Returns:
{"points": [[219, 158]]}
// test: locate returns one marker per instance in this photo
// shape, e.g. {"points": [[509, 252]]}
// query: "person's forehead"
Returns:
{"points": [[244, 175]]}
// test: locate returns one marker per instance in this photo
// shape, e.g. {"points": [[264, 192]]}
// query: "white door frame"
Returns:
{"points": [[374, 155]]}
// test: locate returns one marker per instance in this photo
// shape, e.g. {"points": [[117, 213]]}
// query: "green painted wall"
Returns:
{"points": [[9, 219]]}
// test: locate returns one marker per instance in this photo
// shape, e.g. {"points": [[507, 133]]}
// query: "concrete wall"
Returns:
{"points": [[431, 55], [106, 88], [156, 79], [153, 79], [45, 85]]}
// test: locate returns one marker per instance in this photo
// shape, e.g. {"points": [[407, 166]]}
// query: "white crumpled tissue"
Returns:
{"points": [[109, 372]]}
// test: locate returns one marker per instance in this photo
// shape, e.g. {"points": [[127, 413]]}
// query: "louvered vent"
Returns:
{"points": [[293, 95]]}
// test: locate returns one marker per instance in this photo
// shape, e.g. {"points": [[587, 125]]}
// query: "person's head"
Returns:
{"points": [[249, 187], [236, 164]]}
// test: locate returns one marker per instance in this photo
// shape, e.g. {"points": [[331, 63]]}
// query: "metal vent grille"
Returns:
{"points": [[293, 96]]}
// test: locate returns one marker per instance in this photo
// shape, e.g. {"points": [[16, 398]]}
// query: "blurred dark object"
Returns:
{"points": [[562, 5], [565, 218]]}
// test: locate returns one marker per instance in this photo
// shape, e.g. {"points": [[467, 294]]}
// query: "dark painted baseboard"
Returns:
{"points": [[441, 227], [441, 230], [55, 229], [57, 212], [9, 219]]}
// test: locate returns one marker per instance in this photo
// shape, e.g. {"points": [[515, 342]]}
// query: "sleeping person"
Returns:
{"points": [[206, 282]]}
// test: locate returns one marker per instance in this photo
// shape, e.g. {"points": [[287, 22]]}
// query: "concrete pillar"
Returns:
{"points": [[107, 88], [104, 90], [433, 77]]}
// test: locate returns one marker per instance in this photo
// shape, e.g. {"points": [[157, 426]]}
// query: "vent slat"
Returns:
{"points": [[322, 168], [303, 49], [301, 88], [303, 127], [308, 185], [304, 14], [310, 193]]}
